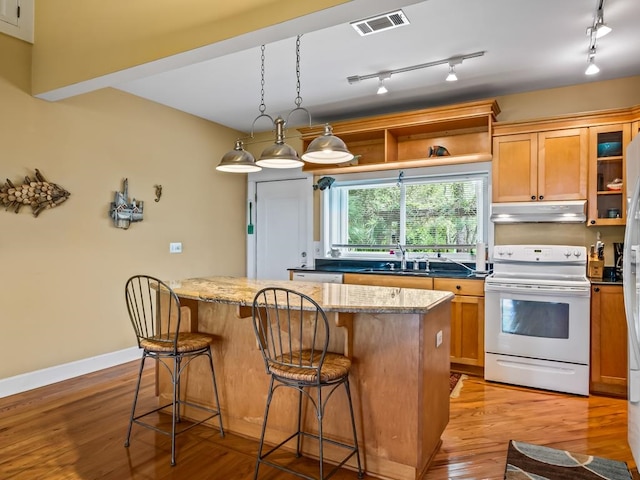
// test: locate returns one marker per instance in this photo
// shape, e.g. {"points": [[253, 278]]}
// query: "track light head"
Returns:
{"points": [[452, 77], [592, 68], [382, 89]]}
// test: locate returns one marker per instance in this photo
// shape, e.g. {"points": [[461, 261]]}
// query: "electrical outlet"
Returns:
{"points": [[438, 338], [175, 247]]}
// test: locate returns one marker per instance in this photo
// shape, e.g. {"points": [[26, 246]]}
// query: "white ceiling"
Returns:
{"points": [[529, 45]]}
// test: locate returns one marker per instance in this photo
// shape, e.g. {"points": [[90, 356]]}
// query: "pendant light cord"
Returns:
{"points": [[298, 99], [262, 107]]}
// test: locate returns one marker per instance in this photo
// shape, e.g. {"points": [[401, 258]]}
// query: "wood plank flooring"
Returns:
{"points": [[75, 430]]}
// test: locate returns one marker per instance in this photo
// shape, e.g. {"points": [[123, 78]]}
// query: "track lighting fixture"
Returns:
{"points": [[325, 149], [595, 31], [452, 61], [599, 27]]}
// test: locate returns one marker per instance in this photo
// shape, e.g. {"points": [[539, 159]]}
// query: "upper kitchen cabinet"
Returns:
{"points": [[607, 189], [404, 140], [539, 166]]}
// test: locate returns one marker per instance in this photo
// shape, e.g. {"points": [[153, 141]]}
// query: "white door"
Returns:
{"points": [[284, 227]]}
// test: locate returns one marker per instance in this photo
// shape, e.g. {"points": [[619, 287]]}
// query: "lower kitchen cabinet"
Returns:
{"points": [[467, 323], [608, 341]]}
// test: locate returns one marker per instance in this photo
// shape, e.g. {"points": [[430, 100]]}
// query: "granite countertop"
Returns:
{"points": [[330, 296], [610, 277]]}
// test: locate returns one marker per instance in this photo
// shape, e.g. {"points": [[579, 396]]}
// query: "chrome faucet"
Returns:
{"points": [[403, 260]]}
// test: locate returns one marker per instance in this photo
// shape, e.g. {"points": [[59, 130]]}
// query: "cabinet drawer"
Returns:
{"points": [[460, 286]]}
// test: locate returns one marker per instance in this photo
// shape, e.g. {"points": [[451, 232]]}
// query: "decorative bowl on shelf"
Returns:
{"points": [[615, 185], [609, 149]]}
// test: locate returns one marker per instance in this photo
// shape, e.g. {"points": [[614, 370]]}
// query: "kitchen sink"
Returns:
{"points": [[420, 273]]}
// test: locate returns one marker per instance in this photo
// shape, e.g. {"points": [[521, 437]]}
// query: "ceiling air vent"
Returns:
{"points": [[379, 23]]}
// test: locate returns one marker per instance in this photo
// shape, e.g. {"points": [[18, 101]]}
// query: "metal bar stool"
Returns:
{"points": [[293, 333], [155, 313]]}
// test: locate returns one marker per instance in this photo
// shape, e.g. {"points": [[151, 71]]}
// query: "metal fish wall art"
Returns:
{"points": [[37, 193]]}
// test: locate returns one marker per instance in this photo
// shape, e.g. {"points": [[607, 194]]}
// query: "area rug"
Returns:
{"points": [[527, 462], [455, 384]]}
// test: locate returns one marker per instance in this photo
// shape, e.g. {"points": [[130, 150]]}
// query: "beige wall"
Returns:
{"points": [[588, 97], [62, 274]]}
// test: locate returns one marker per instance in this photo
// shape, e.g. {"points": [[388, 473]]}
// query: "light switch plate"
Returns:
{"points": [[175, 247]]}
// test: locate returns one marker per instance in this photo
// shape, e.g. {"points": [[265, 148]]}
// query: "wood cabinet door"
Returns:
{"points": [[605, 169], [467, 330], [563, 164], [515, 168], [608, 341]]}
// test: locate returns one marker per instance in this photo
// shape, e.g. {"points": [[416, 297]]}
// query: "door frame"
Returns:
{"points": [[274, 175]]}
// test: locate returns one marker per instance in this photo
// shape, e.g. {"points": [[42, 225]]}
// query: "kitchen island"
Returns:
{"points": [[397, 338]]}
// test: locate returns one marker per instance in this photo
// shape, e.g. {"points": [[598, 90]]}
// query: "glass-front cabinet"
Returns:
{"points": [[607, 187]]}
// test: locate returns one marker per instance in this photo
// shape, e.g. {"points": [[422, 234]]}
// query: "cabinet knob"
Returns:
{"points": [[458, 287], [541, 197], [596, 289], [592, 222], [533, 197]]}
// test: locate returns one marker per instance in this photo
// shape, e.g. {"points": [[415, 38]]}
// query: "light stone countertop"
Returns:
{"points": [[330, 296]]}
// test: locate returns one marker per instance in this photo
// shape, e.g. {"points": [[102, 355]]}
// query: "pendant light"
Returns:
{"points": [[327, 149], [239, 160], [281, 155]]}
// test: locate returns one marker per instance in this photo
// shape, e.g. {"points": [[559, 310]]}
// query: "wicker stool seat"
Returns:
{"points": [[334, 367], [292, 331], [155, 313], [187, 342]]}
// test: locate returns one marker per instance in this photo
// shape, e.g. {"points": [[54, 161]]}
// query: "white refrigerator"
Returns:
{"points": [[631, 281]]}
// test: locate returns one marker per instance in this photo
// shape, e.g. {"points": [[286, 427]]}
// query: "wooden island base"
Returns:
{"points": [[399, 378]]}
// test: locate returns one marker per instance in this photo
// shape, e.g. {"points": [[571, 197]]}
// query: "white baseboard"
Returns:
{"points": [[47, 376]]}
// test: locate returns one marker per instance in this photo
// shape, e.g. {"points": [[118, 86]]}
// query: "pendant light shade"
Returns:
{"points": [[238, 160], [279, 155], [327, 149]]}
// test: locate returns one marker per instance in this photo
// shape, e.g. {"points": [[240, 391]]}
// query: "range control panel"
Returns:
{"points": [[540, 253]]}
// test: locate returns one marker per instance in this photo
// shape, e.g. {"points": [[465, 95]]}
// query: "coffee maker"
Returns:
{"points": [[618, 249]]}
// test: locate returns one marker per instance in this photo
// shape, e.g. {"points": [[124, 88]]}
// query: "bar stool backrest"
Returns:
{"points": [[292, 330], [154, 310]]}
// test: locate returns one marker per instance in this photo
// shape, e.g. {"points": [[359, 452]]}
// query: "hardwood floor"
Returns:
{"points": [[75, 430]]}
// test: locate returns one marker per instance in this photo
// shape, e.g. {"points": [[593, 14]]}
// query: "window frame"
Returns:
{"points": [[408, 176]]}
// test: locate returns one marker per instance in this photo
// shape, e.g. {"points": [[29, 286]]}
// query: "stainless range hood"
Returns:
{"points": [[570, 211]]}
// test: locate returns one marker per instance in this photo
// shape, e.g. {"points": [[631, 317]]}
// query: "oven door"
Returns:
{"points": [[538, 321]]}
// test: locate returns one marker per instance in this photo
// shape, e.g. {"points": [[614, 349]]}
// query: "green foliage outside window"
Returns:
{"points": [[432, 213]]}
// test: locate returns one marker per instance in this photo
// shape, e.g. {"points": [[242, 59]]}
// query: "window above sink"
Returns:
{"points": [[427, 211]]}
